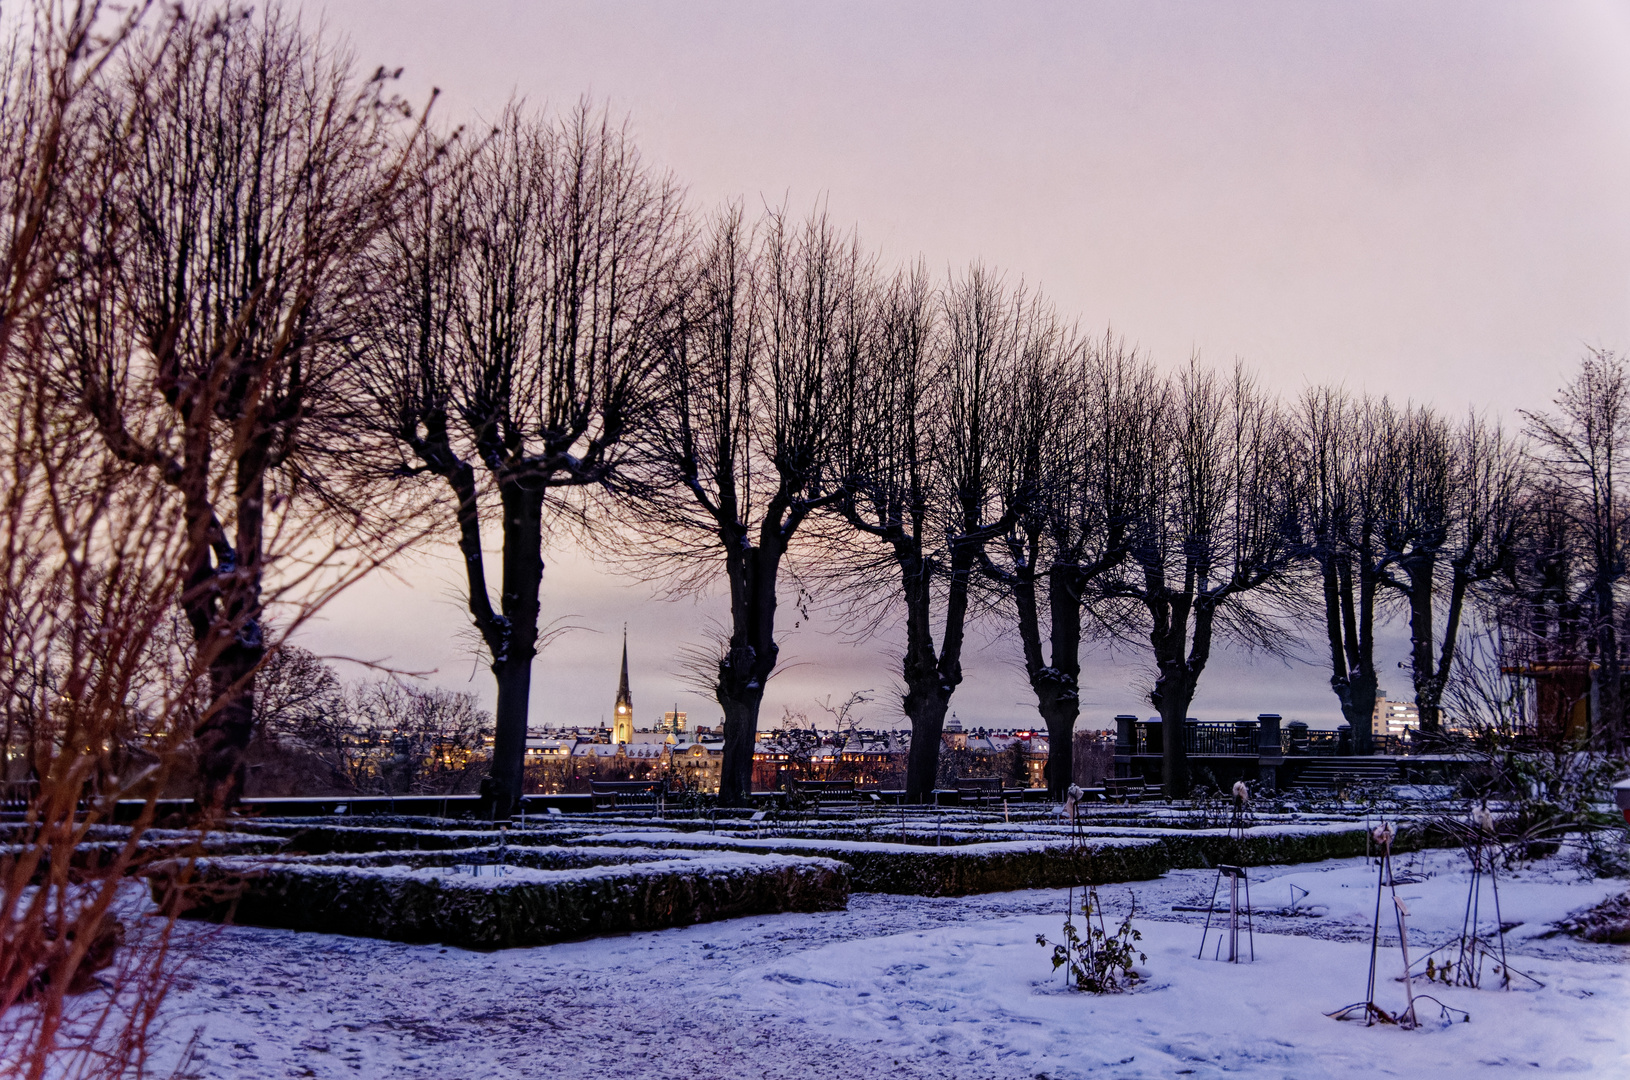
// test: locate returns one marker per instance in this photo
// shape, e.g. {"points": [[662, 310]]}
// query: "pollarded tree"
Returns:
{"points": [[1541, 617], [1075, 465], [534, 284], [1577, 577], [1213, 546], [936, 392], [757, 391], [1451, 524], [246, 168], [1343, 449]]}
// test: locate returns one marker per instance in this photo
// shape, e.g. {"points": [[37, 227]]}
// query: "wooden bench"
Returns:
{"points": [[627, 794]]}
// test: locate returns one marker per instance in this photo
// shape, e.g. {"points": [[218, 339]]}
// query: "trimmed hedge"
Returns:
{"points": [[95, 857], [1001, 867], [974, 869], [553, 857], [327, 838], [489, 913]]}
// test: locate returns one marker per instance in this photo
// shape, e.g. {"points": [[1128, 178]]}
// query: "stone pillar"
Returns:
{"points": [[1298, 737], [1344, 740], [1269, 754], [1125, 737], [1125, 744]]}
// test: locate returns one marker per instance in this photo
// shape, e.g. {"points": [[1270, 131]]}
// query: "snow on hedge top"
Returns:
{"points": [[1120, 838], [457, 876]]}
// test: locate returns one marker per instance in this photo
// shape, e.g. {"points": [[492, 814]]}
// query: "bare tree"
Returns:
{"points": [[1576, 544], [88, 583], [1451, 525], [431, 739], [936, 390], [1215, 534], [757, 395], [294, 688], [1075, 463], [99, 533], [1344, 452], [534, 287], [87, 577], [245, 169], [299, 701]]}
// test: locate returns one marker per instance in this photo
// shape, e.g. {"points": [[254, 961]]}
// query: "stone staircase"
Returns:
{"points": [[1327, 774]]}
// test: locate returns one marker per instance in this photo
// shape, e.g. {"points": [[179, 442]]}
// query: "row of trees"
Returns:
{"points": [[300, 309], [263, 326]]}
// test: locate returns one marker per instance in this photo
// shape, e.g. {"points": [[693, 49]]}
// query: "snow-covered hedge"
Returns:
{"points": [[323, 838], [1010, 857], [105, 848], [523, 906], [1041, 864], [551, 857]]}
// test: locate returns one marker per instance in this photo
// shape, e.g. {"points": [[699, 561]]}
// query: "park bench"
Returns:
{"points": [[627, 794], [831, 792], [979, 788], [1125, 789]]}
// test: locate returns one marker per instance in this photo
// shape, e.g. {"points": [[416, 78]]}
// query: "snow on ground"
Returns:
{"points": [[921, 987]]}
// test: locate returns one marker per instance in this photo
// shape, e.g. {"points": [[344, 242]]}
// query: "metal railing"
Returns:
{"points": [[1240, 738], [1227, 738]]}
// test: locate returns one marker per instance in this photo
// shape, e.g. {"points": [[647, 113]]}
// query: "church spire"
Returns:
{"points": [[623, 726]]}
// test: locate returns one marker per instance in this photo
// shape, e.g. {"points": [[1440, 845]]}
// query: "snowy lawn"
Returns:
{"points": [[901, 986]]}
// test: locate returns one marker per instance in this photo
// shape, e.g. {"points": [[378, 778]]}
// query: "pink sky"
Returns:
{"points": [[1428, 201]]}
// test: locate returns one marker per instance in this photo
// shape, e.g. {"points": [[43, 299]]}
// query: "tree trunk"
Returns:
{"points": [[223, 608], [747, 664], [512, 664], [1423, 661], [925, 705], [1348, 625], [928, 696], [1060, 717], [1063, 681], [225, 734], [509, 737], [740, 735], [1175, 682], [1056, 685], [1357, 695], [930, 678], [1173, 695], [1607, 725]]}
